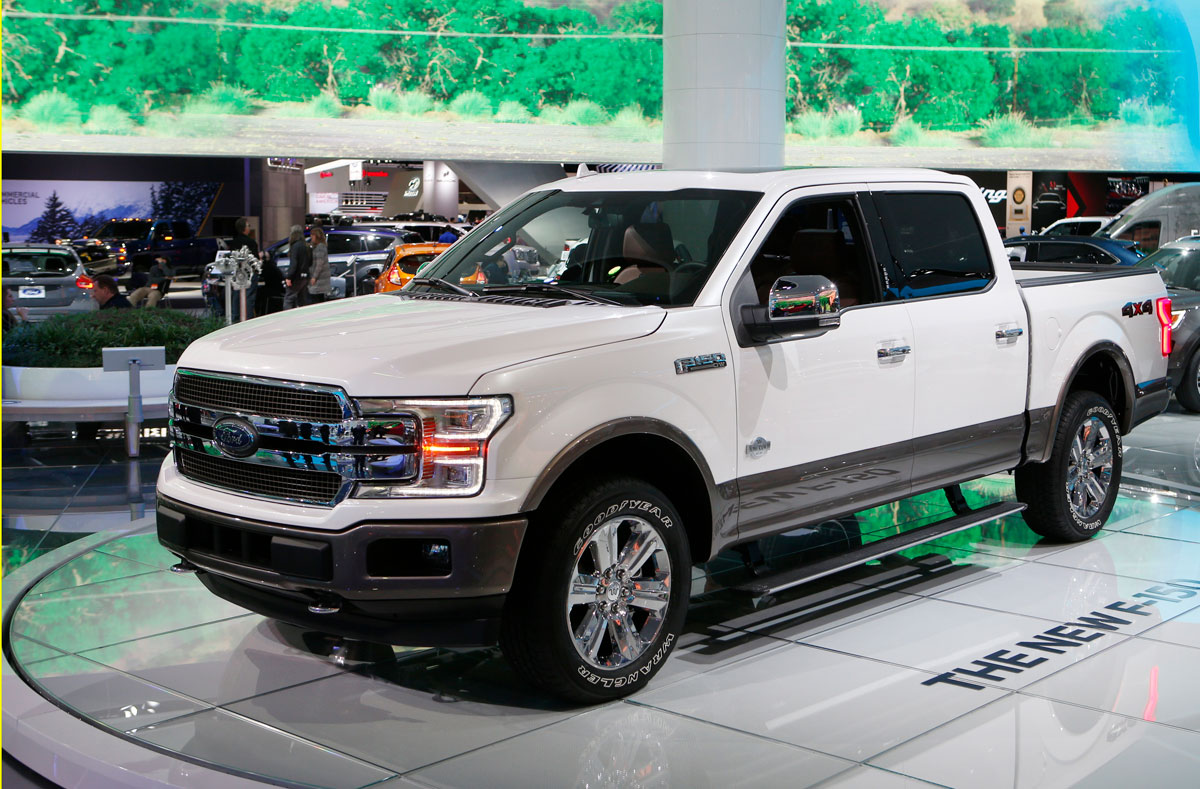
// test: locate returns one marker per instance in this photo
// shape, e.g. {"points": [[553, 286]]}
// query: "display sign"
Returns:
{"points": [[356, 170], [322, 202], [1020, 202], [46, 211], [414, 187]]}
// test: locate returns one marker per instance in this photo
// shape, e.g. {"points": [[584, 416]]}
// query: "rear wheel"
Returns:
{"points": [[1070, 496], [601, 592], [1188, 393]]}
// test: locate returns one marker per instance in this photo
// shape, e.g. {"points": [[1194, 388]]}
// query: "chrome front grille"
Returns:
{"points": [[306, 443], [284, 400], [313, 487]]}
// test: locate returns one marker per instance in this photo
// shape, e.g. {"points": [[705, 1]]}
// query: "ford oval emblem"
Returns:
{"points": [[235, 437]]}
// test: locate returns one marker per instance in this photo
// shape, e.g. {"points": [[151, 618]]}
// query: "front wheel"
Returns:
{"points": [[1071, 495], [601, 592]]}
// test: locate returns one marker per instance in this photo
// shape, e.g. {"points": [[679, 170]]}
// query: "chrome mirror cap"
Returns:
{"points": [[807, 298]]}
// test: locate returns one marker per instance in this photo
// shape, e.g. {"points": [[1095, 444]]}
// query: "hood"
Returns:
{"points": [[385, 346]]}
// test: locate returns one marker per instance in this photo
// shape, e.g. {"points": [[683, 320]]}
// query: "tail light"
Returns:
{"points": [[84, 281], [1162, 308], [394, 275]]}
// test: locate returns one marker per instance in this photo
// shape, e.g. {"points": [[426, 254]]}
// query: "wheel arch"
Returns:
{"points": [[1104, 369], [659, 453]]}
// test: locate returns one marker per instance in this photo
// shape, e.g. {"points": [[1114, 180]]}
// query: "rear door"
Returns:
{"points": [[824, 419], [970, 347]]}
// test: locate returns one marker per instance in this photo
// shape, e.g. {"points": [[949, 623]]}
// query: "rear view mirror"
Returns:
{"points": [[795, 305], [810, 299]]}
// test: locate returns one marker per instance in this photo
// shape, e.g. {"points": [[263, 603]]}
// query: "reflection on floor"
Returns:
{"points": [[985, 659]]}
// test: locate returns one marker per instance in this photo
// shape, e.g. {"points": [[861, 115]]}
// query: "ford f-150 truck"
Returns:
{"points": [[726, 357]]}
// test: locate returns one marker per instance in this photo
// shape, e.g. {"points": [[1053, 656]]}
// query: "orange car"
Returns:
{"points": [[406, 259]]}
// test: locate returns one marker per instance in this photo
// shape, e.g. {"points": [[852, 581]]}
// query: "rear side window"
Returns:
{"points": [[181, 230], [936, 244], [343, 243], [1072, 253]]}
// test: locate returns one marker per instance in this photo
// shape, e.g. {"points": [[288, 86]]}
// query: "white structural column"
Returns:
{"points": [[724, 80], [440, 192]]}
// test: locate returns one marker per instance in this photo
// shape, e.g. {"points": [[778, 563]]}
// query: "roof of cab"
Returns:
{"points": [[670, 180]]}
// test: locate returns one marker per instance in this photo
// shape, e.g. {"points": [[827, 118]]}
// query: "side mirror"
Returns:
{"points": [[795, 305]]}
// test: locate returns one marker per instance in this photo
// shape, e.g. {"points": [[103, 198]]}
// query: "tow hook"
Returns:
{"points": [[325, 604], [184, 566]]}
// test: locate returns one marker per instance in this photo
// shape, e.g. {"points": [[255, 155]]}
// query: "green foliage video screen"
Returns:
{"points": [[468, 78]]}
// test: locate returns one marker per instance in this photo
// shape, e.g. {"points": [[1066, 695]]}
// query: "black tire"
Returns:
{"points": [[539, 631], [1056, 509], [1188, 393]]}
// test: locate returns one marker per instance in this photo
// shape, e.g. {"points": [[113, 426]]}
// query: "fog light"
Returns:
{"points": [[436, 554]]}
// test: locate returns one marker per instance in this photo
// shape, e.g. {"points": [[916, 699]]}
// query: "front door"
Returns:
{"points": [[824, 420]]}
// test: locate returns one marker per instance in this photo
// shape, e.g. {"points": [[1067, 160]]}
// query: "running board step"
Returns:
{"points": [[771, 584]]}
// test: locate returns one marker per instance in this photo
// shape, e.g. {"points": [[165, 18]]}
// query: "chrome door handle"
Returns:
{"points": [[887, 353], [1009, 334]]}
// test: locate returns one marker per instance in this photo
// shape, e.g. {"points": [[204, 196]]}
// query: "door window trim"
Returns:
{"points": [[860, 198]]}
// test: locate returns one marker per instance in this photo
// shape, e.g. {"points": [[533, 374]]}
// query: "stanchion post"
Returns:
{"points": [[133, 361], [133, 415]]}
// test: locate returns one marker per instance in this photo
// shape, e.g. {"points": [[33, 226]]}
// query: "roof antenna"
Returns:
{"points": [[583, 171]]}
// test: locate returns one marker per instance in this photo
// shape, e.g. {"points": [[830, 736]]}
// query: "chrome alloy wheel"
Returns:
{"points": [[619, 592], [1089, 468]]}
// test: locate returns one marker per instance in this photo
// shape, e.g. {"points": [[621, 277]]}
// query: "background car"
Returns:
{"points": [[406, 259], [1077, 226], [1071, 250], [1179, 264], [368, 250], [48, 279]]}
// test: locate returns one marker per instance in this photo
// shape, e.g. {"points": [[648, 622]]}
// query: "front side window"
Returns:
{"points": [[821, 237], [379, 243], [936, 244], [629, 247]]}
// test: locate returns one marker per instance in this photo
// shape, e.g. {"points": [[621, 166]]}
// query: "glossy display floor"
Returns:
{"points": [[987, 659]]}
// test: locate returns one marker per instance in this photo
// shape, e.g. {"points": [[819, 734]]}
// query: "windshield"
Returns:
{"points": [[125, 228], [628, 247], [27, 262], [1180, 268]]}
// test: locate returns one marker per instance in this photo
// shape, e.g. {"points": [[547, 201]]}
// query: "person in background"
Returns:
{"points": [[13, 315], [300, 257], [448, 236], [319, 285], [104, 291], [160, 279]]}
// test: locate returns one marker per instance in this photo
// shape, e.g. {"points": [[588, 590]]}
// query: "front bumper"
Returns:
{"points": [[279, 571]]}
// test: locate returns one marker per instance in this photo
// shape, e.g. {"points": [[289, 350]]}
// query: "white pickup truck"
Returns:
{"points": [[493, 453]]}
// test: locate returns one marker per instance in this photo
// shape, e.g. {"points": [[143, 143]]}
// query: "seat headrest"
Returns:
{"points": [[649, 243]]}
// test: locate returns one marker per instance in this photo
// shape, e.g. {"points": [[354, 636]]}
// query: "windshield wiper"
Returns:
{"points": [[444, 285], [550, 287]]}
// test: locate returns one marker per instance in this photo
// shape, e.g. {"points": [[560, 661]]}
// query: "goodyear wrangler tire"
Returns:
{"points": [[1071, 495], [601, 592]]}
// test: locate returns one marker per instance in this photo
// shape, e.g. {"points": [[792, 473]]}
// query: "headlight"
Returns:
{"points": [[453, 443], [1177, 318]]}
